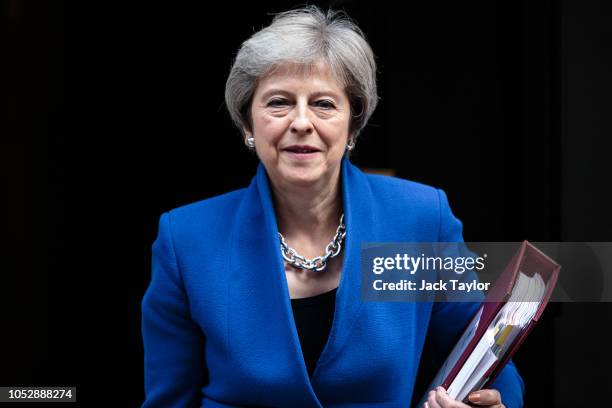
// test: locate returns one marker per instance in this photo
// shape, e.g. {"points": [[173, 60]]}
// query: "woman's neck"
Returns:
{"points": [[308, 215]]}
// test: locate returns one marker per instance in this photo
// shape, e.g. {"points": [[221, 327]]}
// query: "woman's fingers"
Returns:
{"points": [[438, 398], [486, 397], [431, 400], [443, 400]]}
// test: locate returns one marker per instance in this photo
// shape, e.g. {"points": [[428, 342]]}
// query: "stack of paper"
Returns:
{"points": [[511, 319]]}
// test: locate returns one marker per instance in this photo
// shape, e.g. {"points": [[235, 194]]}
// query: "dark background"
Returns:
{"points": [[113, 112]]}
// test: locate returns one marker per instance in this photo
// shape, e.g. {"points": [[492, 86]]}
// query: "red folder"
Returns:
{"points": [[528, 260]]}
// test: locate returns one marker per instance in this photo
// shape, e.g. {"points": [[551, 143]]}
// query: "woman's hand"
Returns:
{"points": [[438, 398]]}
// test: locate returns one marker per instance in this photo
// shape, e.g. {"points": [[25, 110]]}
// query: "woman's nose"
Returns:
{"points": [[301, 121]]}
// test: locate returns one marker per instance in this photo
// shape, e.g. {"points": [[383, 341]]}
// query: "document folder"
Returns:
{"points": [[507, 315]]}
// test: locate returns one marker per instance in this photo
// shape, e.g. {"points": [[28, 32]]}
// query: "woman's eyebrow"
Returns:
{"points": [[325, 93], [271, 92]]}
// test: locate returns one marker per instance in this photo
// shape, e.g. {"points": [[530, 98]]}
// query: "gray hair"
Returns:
{"points": [[303, 37]]}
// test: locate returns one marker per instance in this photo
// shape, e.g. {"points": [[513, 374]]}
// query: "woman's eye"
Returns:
{"points": [[325, 104], [277, 102]]}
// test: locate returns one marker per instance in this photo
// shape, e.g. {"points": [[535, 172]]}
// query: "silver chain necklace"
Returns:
{"points": [[318, 263]]}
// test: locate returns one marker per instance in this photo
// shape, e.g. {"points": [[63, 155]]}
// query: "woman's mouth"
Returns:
{"points": [[301, 151]]}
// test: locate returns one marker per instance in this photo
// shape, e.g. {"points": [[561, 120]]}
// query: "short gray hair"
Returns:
{"points": [[303, 37]]}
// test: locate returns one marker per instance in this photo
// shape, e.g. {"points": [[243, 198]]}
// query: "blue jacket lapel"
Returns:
{"points": [[357, 200], [262, 336]]}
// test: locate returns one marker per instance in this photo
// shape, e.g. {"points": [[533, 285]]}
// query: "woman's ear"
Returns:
{"points": [[248, 139], [350, 145]]}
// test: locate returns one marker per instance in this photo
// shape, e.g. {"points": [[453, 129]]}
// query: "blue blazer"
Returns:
{"points": [[217, 322]]}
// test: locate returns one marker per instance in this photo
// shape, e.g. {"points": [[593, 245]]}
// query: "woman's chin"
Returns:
{"points": [[303, 176], [303, 179]]}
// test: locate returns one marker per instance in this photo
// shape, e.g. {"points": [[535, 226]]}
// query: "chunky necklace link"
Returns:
{"points": [[318, 263]]}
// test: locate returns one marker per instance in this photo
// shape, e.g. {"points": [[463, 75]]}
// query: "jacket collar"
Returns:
{"points": [[258, 269]]}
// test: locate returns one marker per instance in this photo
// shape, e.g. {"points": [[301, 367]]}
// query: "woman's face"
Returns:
{"points": [[301, 126]]}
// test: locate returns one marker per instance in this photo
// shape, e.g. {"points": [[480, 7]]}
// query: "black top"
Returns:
{"points": [[313, 319]]}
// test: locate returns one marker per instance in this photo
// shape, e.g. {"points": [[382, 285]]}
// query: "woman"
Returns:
{"points": [[254, 298]]}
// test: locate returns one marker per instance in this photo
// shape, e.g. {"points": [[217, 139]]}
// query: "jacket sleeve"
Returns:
{"points": [[449, 319], [174, 367]]}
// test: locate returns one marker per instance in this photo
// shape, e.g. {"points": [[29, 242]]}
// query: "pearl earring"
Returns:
{"points": [[250, 141]]}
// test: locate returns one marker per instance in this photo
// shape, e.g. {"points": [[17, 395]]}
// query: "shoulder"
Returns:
{"points": [[402, 188], [225, 202], [401, 193], [210, 214], [415, 205]]}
